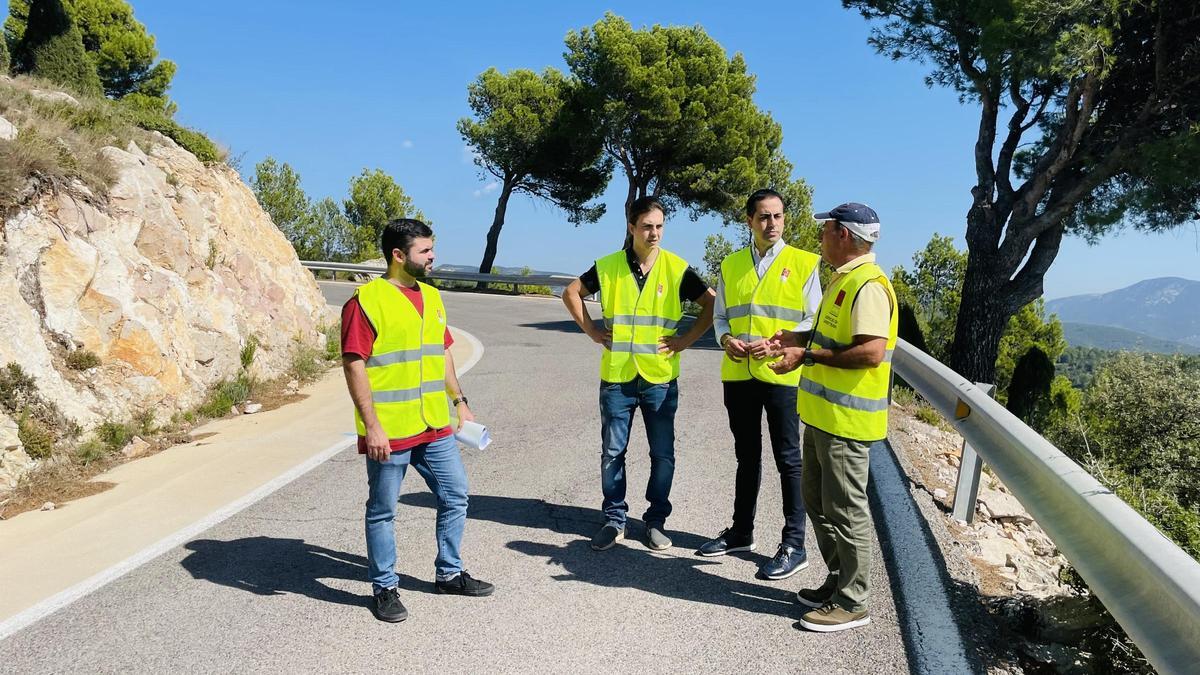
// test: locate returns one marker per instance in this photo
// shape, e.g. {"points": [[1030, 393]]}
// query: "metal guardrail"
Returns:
{"points": [[447, 275], [1148, 583]]}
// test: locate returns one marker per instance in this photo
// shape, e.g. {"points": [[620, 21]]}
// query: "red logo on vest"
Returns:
{"points": [[784, 275], [660, 289], [840, 297]]}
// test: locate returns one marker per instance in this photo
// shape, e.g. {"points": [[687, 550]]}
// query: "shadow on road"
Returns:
{"points": [[677, 574], [270, 566]]}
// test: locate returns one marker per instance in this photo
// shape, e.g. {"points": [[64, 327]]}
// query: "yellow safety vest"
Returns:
{"points": [[848, 402], [407, 366], [758, 308], [639, 317]]}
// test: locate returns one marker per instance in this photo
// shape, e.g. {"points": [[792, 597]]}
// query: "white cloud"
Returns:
{"points": [[490, 187], [406, 143]]}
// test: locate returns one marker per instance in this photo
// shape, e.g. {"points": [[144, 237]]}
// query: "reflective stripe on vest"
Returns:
{"points": [[848, 402], [638, 318], [758, 308], [407, 366]]}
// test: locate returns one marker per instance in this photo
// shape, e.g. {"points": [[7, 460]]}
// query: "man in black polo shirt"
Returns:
{"points": [[642, 290]]}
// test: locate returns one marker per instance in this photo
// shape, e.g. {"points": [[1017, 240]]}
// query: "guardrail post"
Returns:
{"points": [[966, 491]]}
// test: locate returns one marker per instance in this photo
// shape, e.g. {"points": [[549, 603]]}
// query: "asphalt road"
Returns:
{"points": [[281, 586]]}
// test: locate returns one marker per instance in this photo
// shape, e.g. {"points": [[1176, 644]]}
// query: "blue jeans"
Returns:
{"points": [[658, 403], [440, 464]]}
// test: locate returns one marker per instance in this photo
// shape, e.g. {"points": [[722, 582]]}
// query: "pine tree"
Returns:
{"points": [[52, 48]]}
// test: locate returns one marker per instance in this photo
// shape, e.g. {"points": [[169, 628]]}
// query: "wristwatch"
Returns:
{"points": [[724, 338], [461, 399], [808, 359]]}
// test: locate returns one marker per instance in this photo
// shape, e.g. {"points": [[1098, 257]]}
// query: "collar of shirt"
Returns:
{"points": [[761, 265], [860, 260]]}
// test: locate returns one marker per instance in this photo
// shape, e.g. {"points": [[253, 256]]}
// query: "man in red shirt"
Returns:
{"points": [[399, 370]]}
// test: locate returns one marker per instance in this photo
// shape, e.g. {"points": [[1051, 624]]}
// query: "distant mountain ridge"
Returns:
{"points": [[1121, 339], [1167, 308]]}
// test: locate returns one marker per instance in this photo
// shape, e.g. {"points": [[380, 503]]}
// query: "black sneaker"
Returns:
{"points": [[464, 584], [387, 606], [727, 542], [787, 561], [607, 537]]}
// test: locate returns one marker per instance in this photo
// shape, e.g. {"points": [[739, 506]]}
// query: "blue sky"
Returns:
{"points": [[332, 88]]}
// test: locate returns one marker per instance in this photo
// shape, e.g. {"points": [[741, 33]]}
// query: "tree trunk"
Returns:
{"points": [[493, 235], [983, 315], [637, 190]]}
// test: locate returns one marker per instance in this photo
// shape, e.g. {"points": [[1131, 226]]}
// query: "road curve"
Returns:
{"points": [[281, 586]]}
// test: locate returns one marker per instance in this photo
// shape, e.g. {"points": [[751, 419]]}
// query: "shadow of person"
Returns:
{"points": [[271, 566], [681, 577], [626, 566]]}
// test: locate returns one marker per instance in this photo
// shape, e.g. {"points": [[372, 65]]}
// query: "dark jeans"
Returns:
{"points": [[658, 403], [745, 401]]}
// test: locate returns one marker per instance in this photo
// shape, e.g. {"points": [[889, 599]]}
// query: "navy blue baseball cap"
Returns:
{"points": [[858, 218]]}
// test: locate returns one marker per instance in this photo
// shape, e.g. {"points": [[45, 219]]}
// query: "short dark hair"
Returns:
{"points": [[759, 195], [644, 205], [400, 233]]}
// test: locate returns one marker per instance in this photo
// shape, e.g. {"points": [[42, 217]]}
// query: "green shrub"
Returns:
{"points": [[37, 438], [307, 361], [248, 350], [82, 359], [193, 141], [4, 59], [17, 389], [143, 423], [227, 394], [927, 414], [90, 451], [333, 341], [52, 48], [903, 396], [114, 435]]}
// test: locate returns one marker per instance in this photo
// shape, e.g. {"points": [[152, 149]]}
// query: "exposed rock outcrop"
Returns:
{"points": [[164, 279]]}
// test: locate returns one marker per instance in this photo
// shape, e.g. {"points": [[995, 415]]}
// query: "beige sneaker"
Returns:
{"points": [[831, 618]]}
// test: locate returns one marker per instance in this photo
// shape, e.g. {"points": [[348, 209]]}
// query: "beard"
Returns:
{"points": [[414, 270]]}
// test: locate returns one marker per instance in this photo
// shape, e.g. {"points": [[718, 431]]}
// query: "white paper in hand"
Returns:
{"points": [[474, 435]]}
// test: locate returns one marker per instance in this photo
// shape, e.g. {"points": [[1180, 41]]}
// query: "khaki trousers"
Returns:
{"points": [[835, 496]]}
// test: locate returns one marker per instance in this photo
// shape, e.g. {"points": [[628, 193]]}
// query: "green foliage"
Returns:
{"points": [[36, 436], [927, 414], [82, 359], [933, 289], [1089, 122], [1030, 386], [333, 341], [535, 134], [308, 361], [51, 47], [5, 59], [227, 394], [20, 398], [716, 249], [1141, 416], [1028, 328], [1079, 364], [91, 450], [535, 289], [114, 435], [154, 119], [317, 231], [676, 113], [246, 356], [116, 44], [375, 199], [214, 254]]}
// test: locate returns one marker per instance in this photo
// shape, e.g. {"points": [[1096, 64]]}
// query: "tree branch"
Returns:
{"points": [[1026, 285]]}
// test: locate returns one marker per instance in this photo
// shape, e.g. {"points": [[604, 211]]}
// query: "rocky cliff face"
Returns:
{"points": [[164, 280]]}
